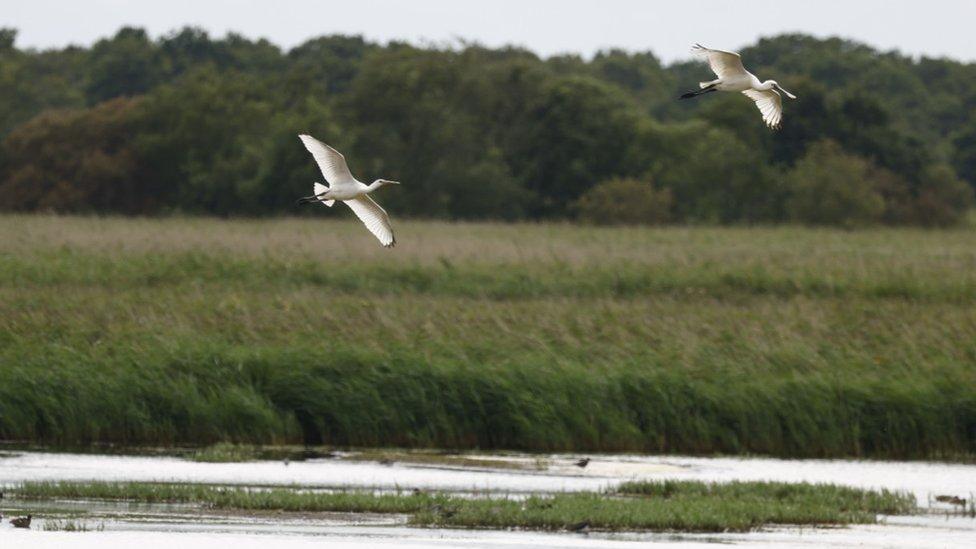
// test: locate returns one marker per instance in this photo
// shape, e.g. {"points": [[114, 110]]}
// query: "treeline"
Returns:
{"points": [[192, 124]]}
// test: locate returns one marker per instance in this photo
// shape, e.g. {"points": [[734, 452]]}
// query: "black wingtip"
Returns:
{"points": [[688, 95]]}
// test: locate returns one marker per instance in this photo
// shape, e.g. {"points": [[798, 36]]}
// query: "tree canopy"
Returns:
{"points": [[192, 123]]}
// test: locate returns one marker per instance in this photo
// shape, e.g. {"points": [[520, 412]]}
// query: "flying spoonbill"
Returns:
{"points": [[346, 188], [733, 77]]}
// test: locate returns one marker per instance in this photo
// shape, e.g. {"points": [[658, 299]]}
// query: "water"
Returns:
{"points": [[924, 479], [941, 533], [148, 526]]}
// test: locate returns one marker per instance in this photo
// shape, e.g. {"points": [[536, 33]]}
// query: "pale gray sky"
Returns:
{"points": [[929, 27]]}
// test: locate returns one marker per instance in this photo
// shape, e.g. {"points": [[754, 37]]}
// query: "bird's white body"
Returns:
{"points": [[344, 187], [736, 83], [733, 77]]}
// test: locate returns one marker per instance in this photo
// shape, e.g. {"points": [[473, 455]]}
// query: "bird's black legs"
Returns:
{"points": [[310, 199], [696, 93]]}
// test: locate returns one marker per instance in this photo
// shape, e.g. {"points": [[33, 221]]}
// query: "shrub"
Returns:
{"points": [[625, 202], [943, 199], [831, 187]]}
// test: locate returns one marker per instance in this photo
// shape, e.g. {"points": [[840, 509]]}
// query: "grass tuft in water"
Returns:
{"points": [[67, 525], [678, 506], [226, 452]]}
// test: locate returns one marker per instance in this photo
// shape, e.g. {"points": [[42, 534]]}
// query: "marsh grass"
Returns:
{"points": [[674, 506], [225, 452], [782, 341], [886, 502], [67, 525]]}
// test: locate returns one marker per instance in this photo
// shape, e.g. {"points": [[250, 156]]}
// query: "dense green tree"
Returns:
{"points": [[127, 64], [83, 160], [8, 37], [964, 153], [33, 81], [192, 47], [478, 132], [207, 135], [414, 118], [329, 63], [577, 132], [714, 176]]}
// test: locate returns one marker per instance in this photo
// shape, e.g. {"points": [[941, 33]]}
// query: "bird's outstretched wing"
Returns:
{"points": [[770, 105], [330, 161], [725, 64], [375, 219]]}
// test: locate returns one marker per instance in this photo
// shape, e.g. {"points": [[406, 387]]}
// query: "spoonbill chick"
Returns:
{"points": [[733, 77], [344, 187]]}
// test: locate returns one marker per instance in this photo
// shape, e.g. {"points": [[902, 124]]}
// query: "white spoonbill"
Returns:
{"points": [[733, 77], [343, 186]]}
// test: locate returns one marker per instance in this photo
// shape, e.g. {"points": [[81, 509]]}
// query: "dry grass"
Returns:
{"points": [[432, 242]]}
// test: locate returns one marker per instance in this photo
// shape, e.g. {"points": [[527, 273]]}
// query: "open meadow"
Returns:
{"points": [[786, 341]]}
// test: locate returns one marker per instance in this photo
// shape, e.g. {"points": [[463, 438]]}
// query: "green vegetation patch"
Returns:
{"points": [[657, 506], [225, 452], [777, 341]]}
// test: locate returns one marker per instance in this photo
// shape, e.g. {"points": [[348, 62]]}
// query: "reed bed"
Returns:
{"points": [[781, 341]]}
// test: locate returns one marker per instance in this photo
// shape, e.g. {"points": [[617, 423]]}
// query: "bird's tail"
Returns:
{"points": [[317, 197], [319, 189]]}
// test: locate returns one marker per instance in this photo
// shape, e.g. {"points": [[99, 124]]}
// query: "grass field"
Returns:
{"points": [[781, 341], [678, 506]]}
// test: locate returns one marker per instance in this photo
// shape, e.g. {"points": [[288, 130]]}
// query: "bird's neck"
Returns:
{"points": [[373, 186]]}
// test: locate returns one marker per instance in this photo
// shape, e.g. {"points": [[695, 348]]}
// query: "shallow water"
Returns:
{"points": [[956, 532], [924, 479], [149, 526]]}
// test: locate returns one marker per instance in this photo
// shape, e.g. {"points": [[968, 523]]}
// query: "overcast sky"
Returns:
{"points": [[918, 27]]}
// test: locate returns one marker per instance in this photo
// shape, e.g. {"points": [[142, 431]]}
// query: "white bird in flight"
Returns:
{"points": [[733, 77], [343, 186]]}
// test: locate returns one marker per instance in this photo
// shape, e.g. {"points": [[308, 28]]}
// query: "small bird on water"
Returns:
{"points": [[579, 526], [954, 500], [583, 463], [21, 522]]}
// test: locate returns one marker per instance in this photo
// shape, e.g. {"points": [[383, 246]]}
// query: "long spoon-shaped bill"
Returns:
{"points": [[786, 93]]}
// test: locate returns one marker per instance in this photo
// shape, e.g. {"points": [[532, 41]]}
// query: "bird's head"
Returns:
{"points": [[775, 85], [381, 182]]}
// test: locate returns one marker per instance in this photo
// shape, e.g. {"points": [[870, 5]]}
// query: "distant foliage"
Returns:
{"points": [[82, 160], [625, 202], [943, 199], [210, 127], [831, 187]]}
